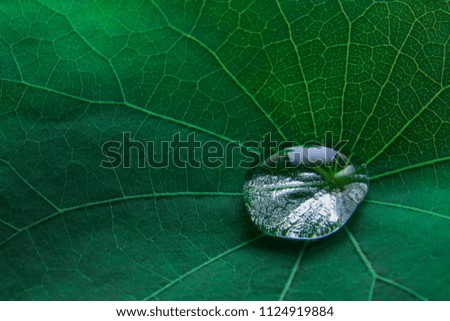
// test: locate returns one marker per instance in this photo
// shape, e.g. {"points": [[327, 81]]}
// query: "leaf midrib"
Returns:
{"points": [[111, 201]]}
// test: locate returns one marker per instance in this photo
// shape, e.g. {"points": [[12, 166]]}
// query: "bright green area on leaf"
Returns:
{"points": [[75, 74]]}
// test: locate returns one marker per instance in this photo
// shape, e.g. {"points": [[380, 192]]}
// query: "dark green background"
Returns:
{"points": [[75, 74]]}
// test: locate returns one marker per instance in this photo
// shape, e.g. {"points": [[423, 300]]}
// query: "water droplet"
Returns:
{"points": [[304, 192]]}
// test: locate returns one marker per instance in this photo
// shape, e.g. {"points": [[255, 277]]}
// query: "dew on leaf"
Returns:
{"points": [[304, 193]]}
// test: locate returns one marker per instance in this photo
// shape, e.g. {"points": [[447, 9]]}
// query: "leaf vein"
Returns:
{"points": [[409, 208], [406, 168], [344, 88], [34, 189], [375, 276], [293, 272], [222, 65], [406, 125], [300, 65], [111, 201], [140, 109], [385, 83], [199, 267], [92, 47]]}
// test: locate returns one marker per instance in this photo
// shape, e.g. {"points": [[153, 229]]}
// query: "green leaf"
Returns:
{"points": [[75, 74]]}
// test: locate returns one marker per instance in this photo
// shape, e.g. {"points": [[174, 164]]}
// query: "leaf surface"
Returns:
{"points": [[75, 74]]}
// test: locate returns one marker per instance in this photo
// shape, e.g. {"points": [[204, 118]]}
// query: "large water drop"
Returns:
{"points": [[304, 192]]}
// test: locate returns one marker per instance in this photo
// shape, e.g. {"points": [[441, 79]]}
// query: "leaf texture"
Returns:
{"points": [[75, 74]]}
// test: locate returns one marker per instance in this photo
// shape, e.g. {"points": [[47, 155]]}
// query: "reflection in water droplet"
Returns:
{"points": [[304, 192]]}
